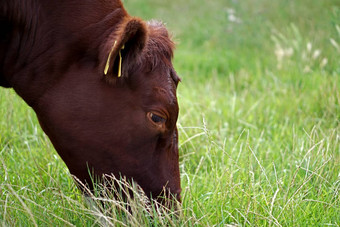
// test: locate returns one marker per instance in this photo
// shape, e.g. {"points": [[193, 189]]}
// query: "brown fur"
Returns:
{"points": [[53, 54]]}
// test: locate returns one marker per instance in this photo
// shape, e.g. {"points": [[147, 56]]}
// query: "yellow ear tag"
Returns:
{"points": [[108, 59], [120, 60]]}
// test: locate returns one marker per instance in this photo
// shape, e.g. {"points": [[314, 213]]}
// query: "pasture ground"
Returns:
{"points": [[259, 123]]}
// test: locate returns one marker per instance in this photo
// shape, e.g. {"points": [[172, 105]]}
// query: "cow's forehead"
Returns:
{"points": [[159, 88], [166, 91]]}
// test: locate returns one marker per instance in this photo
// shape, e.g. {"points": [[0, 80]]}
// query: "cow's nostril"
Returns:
{"points": [[177, 193]]}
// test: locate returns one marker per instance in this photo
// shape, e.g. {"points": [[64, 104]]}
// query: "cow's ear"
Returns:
{"points": [[124, 47]]}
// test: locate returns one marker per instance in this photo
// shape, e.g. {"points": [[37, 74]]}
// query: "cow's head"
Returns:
{"points": [[117, 115]]}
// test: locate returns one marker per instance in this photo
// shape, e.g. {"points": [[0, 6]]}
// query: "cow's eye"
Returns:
{"points": [[157, 119]]}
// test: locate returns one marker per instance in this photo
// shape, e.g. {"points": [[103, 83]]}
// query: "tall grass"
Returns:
{"points": [[259, 124]]}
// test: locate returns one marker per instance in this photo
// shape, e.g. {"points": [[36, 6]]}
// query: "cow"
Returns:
{"points": [[102, 85]]}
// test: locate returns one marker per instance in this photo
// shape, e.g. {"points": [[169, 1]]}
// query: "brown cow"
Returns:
{"points": [[101, 83]]}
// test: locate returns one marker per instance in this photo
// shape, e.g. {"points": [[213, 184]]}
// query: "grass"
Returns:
{"points": [[259, 123]]}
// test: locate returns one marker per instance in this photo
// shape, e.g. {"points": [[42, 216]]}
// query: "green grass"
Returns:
{"points": [[259, 122]]}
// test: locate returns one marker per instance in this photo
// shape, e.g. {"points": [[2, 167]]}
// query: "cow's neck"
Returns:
{"points": [[47, 38], [17, 21]]}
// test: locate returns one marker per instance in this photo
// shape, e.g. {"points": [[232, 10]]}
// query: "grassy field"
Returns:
{"points": [[259, 123]]}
